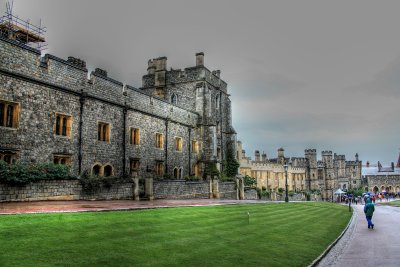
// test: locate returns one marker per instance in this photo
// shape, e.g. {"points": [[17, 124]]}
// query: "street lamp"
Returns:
{"points": [[286, 184]]}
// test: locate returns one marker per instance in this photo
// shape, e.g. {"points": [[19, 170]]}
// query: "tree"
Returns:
{"points": [[230, 164]]}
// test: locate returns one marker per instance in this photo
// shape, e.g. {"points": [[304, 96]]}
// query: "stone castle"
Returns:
{"points": [[304, 173], [53, 110]]}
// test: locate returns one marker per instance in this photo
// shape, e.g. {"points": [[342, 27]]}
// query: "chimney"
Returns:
{"points": [[367, 164], [200, 59], [257, 155]]}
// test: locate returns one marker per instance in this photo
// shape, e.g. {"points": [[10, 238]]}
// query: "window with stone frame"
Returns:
{"points": [[175, 173], [135, 136], [159, 140], [196, 169], [107, 170], [174, 99], [8, 157], [134, 167], [103, 132], [178, 144], [217, 99], [62, 125], [180, 173], [96, 169], [195, 146], [9, 114], [159, 168], [61, 159]]}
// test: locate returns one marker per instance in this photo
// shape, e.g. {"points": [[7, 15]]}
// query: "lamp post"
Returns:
{"points": [[286, 184]]}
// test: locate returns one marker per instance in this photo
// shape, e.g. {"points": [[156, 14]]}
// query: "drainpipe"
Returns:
{"points": [[189, 146], [220, 130], [124, 142], [82, 103], [166, 146]]}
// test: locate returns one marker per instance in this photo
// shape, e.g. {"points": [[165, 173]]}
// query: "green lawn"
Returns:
{"points": [[280, 234], [391, 203]]}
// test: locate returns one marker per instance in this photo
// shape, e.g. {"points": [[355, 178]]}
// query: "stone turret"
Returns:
{"points": [[311, 175], [200, 59], [264, 157], [257, 155]]}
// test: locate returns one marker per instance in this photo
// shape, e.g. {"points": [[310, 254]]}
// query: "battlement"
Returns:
{"points": [[310, 151], [326, 153], [71, 75], [158, 68], [340, 157]]}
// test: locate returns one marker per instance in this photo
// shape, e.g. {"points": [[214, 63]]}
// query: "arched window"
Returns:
{"points": [[96, 169], [180, 174], [176, 173], [174, 99], [344, 186], [108, 170], [217, 101]]}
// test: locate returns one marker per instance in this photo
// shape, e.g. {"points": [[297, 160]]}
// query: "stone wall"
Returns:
{"points": [[62, 190], [227, 190], [72, 190], [180, 189], [250, 194]]}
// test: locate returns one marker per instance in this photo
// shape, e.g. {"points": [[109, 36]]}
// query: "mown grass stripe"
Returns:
{"points": [[200, 236]]}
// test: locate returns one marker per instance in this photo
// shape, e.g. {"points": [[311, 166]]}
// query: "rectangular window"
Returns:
{"points": [[178, 144], [103, 132], [63, 125], [135, 136], [159, 168], [9, 114], [135, 165], [159, 140], [195, 146], [62, 159]]}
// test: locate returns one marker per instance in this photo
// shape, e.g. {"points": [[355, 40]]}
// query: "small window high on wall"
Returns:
{"points": [[174, 99], [62, 125], [135, 136], [103, 132], [9, 114]]}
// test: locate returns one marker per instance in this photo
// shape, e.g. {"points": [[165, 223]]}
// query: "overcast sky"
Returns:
{"points": [[301, 74]]}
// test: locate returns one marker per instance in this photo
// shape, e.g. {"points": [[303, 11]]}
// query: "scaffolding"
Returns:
{"points": [[22, 31]]}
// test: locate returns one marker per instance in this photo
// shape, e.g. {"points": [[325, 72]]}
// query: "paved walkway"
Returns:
{"points": [[78, 206], [366, 247]]}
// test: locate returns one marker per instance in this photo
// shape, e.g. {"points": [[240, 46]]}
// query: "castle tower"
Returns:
{"points": [[398, 162], [264, 157], [281, 156], [312, 171]]}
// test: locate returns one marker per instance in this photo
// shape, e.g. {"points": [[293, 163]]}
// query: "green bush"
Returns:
{"points": [[225, 178], [262, 192], [280, 190], [249, 181], [92, 183], [192, 178], [21, 174]]}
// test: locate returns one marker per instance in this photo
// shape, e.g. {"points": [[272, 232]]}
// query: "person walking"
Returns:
{"points": [[369, 211]]}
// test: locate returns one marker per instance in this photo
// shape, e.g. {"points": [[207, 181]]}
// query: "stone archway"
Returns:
{"points": [[375, 189]]}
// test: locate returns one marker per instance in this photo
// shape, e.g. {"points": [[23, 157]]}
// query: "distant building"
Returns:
{"points": [[381, 178], [308, 173]]}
